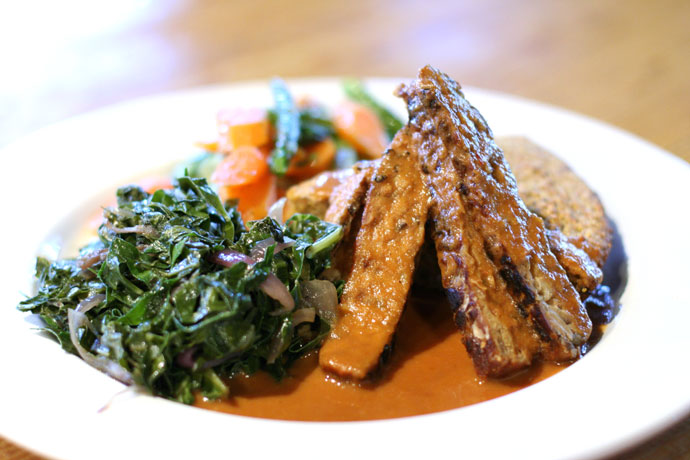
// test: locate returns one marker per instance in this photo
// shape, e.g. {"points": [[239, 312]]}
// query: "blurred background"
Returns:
{"points": [[624, 62]]}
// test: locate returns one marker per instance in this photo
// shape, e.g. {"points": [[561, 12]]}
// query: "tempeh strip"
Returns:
{"points": [[574, 217], [514, 302], [390, 236], [348, 197], [345, 208]]}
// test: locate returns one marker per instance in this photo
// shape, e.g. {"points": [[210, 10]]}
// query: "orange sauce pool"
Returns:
{"points": [[429, 371]]}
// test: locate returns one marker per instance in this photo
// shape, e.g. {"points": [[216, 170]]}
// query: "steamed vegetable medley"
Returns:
{"points": [[177, 294], [258, 153]]}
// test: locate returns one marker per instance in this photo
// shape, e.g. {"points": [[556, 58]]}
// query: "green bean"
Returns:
{"points": [[287, 128]]}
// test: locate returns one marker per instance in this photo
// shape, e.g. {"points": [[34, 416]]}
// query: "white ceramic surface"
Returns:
{"points": [[632, 385]]}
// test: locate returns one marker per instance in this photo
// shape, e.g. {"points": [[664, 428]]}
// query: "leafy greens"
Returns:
{"points": [[153, 303]]}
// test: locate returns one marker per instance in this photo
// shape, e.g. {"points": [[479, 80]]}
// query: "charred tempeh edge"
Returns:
{"points": [[513, 301], [389, 238]]}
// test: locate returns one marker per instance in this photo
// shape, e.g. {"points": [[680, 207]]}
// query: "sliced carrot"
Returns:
{"points": [[360, 126], [242, 127], [312, 160], [244, 165], [254, 199]]}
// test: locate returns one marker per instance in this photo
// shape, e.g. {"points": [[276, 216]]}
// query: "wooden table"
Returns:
{"points": [[623, 62]]}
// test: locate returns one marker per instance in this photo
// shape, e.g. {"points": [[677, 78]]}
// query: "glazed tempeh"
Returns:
{"points": [[512, 299], [578, 231], [345, 207], [348, 197], [389, 238]]}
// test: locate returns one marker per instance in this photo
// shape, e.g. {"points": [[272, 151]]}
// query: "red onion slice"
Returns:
{"points": [[228, 258], [91, 258], [304, 315], [86, 305], [275, 289], [90, 302], [322, 296], [76, 320], [186, 358], [146, 230], [258, 252], [272, 286]]}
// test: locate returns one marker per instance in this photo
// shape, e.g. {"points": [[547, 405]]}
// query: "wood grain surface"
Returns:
{"points": [[624, 62]]}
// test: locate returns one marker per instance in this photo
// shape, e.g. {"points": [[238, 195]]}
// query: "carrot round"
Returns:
{"points": [[244, 165], [240, 127], [254, 199], [360, 126], [312, 160]]}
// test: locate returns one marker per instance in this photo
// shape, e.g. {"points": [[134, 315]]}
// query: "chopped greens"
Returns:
{"points": [[287, 124], [151, 301], [354, 89]]}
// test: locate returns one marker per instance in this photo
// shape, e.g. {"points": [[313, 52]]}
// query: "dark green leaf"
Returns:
{"points": [[177, 322]]}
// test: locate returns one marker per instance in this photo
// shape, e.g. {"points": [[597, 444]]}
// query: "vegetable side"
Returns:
{"points": [[178, 296]]}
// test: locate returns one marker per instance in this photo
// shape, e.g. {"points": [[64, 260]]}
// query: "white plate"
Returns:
{"points": [[632, 385]]}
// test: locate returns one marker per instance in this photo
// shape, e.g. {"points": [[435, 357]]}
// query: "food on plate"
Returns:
{"points": [[389, 237], [555, 193], [511, 298], [240, 127], [194, 286], [177, 295], [541, 334], [357, 93], [358, 125], [578, 229]]}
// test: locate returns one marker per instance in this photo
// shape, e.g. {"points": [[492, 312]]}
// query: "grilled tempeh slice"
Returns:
{"points": [[345, 208], [512, 299], [389, 238], [348, 197]]}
